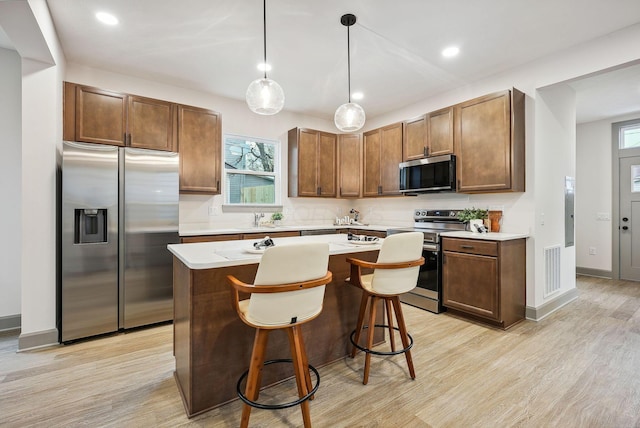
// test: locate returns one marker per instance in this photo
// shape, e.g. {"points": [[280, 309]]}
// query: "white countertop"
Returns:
{"points": [[491, 236], [195, 229], [208, 255]]}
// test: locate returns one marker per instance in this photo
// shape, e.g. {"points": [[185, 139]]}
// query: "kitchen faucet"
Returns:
{"points": [[356, 214], [256, 218]]}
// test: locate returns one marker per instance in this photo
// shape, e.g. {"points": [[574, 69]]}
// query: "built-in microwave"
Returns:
{"points": [[435, 174]]}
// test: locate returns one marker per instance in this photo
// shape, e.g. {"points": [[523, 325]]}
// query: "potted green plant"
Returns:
{"points": [[277, 218], [473, 216]]}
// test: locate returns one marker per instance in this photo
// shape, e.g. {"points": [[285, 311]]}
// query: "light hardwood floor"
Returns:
{"points": [[580, 367]]}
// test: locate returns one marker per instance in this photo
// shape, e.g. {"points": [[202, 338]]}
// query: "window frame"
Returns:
{"points": [[228, 206]]}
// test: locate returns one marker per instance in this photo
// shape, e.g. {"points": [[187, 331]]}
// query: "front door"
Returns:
{"points": [[629, 222]]}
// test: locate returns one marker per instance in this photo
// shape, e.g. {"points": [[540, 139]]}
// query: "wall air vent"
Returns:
{"points": [[551, 270]]}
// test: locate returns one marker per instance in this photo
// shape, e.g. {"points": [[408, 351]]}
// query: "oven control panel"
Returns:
{"points": [[421, 214]]}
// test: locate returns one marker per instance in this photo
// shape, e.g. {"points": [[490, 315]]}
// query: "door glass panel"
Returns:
{"points": [[630, 136], [635, 178]]}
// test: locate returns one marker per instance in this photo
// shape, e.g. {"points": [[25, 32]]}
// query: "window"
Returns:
{"points": [[630, 136], [251, 168]]}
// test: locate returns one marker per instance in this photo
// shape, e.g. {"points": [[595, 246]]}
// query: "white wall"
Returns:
{"points": [[10, 175], [41, 136], [594, 192]]}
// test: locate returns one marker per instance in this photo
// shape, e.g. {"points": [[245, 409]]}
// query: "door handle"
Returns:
{"points": [[625, 228], [625, 219]]}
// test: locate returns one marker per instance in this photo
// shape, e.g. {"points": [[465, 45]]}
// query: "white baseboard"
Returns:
{"points": [[544, 310]]}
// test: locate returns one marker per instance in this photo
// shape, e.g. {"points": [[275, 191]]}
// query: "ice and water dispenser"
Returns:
{"points": [[90, 226]]}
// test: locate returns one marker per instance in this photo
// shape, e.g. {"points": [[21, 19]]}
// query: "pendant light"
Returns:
{"points": [[349, 117], [265, 96]]}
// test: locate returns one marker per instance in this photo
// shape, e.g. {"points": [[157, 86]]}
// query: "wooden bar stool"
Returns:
{"points": [[288, 291], [395, 272]]}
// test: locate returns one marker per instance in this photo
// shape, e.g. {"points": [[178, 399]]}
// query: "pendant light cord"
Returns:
{"points": [[348, 63], [264, 27]]}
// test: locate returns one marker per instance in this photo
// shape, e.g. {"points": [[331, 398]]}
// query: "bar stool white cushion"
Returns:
{"points": [[401, 247], [285, 264]]}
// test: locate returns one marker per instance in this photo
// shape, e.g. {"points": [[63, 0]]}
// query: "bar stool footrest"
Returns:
{"points": [[382, 353], [283, 405]]}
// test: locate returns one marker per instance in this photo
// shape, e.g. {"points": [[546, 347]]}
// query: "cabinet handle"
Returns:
{"points": [[426, 151], [458, 183], [379, 190], [318, 191], [468, 247], [128, 142], [218, 185]]}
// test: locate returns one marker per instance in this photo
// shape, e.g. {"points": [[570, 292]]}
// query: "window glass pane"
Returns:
{"points": [[252, 172], [635, 178], [243, 154], [250, 189], [630, 136]]}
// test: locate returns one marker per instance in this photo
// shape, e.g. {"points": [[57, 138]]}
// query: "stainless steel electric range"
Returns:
{"points": [[428, 292]]}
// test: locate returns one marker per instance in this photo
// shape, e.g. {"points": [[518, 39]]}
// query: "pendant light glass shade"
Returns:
{"points": [[265, 96], [349, 117]]}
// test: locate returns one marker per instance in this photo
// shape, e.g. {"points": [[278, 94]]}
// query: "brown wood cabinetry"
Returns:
{"points": [[382, 152], [440, 132], [312, 163], [415, 143], [94, 115], [210, 238], [428, 135], [485, 280], [261, 235], [199, 144], [349, 166], [489, 143], [377, 233]]}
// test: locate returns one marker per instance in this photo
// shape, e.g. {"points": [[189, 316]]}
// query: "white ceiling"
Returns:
{"points": [[215, 45]]}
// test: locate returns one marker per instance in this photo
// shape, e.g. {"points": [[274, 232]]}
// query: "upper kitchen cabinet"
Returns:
{"points": [[428, 135], [414, 144], [489, 143], [349, 166], [382, 153], [200, 147], [312, 163], [440, 132], [94, 115], [151, 124]]}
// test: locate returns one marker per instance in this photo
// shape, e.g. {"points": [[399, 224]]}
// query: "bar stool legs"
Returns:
{"points": [[301, 367], [407, 340]]}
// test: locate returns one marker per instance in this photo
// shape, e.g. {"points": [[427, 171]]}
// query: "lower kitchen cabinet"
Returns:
{"points": [[485, 280]]}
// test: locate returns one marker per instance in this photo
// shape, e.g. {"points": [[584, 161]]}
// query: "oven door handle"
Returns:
{"points": [[430, 247]]}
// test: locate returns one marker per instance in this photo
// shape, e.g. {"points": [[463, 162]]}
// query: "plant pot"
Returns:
{"points": [[474, 224]]}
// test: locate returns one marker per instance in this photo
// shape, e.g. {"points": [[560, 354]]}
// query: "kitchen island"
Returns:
{"points": [[212, 347]]}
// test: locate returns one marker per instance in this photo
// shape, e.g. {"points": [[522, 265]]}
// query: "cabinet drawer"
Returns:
{"points": [[260, 235], [471, 246], [208, 238]]}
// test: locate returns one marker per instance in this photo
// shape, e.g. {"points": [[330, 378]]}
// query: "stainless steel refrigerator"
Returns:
{"points": [[119, 212]]}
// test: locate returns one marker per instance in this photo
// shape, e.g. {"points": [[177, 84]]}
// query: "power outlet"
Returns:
{"points": [[213, 210], [592, 251], [603, 217]]}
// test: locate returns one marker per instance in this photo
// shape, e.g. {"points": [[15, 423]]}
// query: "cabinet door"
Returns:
{"points": [[470, 284], [199, 144], [151, 124], [390, 158], [100, 116], [484, 143], [440, 132], [414, 145], [308, 152], [371, 169], [327, 165], [349, 165]]}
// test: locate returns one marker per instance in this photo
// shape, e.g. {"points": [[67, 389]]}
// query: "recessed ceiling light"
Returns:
{"points": [[107, 18], [451, 51], [264, 67], [357, 96]]}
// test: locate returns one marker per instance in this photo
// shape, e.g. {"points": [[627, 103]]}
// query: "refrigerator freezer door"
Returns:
{"points": [[89, 241], [150, 223]]}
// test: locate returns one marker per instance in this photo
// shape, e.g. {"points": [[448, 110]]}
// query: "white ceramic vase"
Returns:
{"points": [[474, 224]]}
